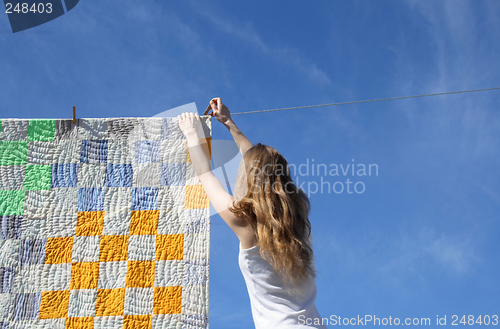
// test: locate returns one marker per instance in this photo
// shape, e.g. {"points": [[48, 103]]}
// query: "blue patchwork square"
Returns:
{"points": [[6, 279], [119, 175], [10, 227], [173, 174], [32, 251], [90, 199], [195, 272], [197, 221], [145, 198], [147, 151], [194, 320], [94, 151], [64, 174], [27, 306]]}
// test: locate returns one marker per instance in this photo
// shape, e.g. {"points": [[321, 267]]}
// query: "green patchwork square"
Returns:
{"points": [[13, 153], [37, 177], [41, 130], [11, 203]]}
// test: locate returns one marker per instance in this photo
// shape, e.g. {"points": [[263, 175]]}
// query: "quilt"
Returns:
{"points": [[103, 224]]}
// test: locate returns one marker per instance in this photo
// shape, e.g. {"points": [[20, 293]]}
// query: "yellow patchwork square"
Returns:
{"points": [[169, 247], [167, 300], [137, 321], [80, 323], [54, 304], [58, 250], [140, 274], [144, 222], [84, 275], [110, 302], [89, 223], [207, 148], [196, 198], [113, 248]]}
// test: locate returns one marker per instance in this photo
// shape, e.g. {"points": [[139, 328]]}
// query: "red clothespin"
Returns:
{"points": [[74, 115]]}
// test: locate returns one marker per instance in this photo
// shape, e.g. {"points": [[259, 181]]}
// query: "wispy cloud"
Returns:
{"points": [[495, 196], [458, 53], [407, 253], [246, 33], [452, 253]]}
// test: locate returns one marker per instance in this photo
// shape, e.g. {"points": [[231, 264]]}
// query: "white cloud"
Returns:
{"points": [[460, 53], [495, 196], [404, 255], [451, 253], [245, 32], [421, 253]]}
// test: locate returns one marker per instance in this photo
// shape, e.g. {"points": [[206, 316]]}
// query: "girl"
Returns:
{"points": [[269, 215]]}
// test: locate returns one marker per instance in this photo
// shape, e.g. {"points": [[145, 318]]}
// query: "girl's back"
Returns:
{"points": [[273, 306]]}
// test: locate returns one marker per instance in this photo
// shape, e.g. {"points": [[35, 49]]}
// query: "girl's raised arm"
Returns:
{"points": [[189, 124], [221, 113]]}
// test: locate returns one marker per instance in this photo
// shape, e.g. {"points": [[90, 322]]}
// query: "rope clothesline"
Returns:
{"points": [[363, 101], [344, 103]]}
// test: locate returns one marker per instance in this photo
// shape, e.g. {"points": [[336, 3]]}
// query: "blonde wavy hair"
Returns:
{"points": [[277, 210]]}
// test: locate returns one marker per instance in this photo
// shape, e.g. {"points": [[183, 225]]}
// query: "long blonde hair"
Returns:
{"points": [[278, 211]]}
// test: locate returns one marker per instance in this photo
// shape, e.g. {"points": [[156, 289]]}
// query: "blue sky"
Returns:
{"points": [[422, 239]]}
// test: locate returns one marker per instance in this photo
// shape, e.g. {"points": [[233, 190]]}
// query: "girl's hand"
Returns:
{"points": [[189, 123], [220, 111]]}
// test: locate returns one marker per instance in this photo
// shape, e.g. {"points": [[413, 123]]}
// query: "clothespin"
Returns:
{"points": [[208, 109], [74, 115]]}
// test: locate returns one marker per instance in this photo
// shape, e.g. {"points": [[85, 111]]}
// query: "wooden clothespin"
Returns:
{"points": [[74, 115], [208, 109]]}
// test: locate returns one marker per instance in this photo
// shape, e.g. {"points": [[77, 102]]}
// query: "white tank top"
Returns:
{"points": [[272, 305]]}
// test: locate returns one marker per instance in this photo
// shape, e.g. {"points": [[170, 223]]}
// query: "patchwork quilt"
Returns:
{"points": [[103, 224]]}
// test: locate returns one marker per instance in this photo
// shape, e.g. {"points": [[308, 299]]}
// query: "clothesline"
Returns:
{"points": [[363, 101]]}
